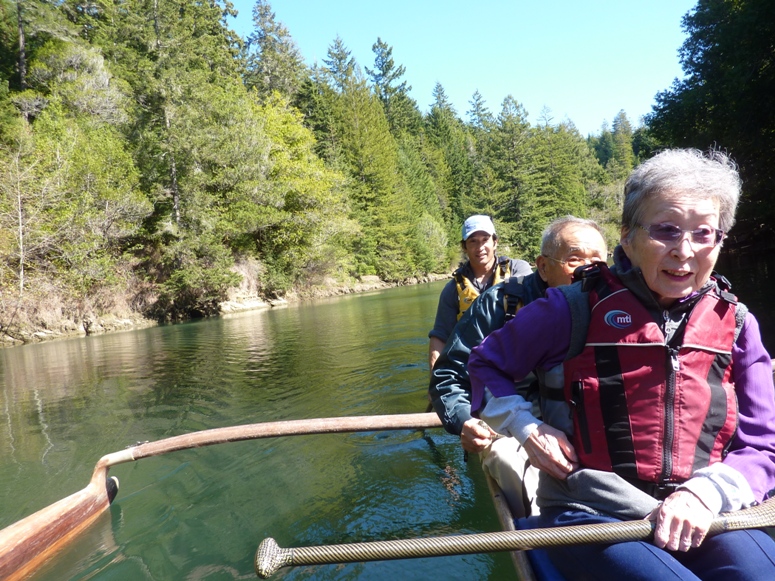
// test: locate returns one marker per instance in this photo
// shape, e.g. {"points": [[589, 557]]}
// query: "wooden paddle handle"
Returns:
{"points": [[342, 424]]}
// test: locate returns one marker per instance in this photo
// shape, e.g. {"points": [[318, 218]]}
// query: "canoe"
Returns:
{"points": [[28, 544], [31, 542], [521, 563]]}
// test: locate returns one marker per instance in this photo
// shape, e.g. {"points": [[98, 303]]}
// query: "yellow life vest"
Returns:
{"points": [[467, 292]]}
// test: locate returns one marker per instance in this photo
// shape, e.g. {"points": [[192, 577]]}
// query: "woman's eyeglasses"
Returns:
{"points": [[705, 236]]}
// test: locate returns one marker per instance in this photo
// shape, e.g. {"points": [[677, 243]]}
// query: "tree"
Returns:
{"points": [[510, 154], [274, 62], [291, 208], [340, 65], [38, 22], [9, 31], [485, 194], [179, 60], [727, 96], [455, 174], [622, 159], [10, 120], [644, 144], [479, 114], [400, 109], [603, 144], [88, 200], [70, 197], [77, 76]]}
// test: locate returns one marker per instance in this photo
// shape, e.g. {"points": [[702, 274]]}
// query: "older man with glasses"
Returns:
{"points": [[566, 244]]}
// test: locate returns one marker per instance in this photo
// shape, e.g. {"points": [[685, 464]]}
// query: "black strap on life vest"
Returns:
{"points": [[513, 296], [588, 274]]}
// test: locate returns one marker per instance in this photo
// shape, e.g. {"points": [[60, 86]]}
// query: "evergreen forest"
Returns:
{"points": [[154, 162]]}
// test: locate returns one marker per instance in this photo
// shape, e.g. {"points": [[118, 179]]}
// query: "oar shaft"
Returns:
{"points": [[270, 557], [274, 429]]}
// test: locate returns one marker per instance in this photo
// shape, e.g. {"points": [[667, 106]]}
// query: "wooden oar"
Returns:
{"points": [[270, 557], [27, 544]]}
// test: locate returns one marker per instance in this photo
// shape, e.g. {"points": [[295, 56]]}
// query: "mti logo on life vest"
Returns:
{"points": [[618, 319]]}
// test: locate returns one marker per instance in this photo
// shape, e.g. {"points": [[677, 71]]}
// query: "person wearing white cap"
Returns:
{"points": [[482, 270], [566, 243]]}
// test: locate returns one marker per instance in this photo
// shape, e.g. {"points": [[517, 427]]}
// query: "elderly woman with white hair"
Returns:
{"points": [[667, 391]]}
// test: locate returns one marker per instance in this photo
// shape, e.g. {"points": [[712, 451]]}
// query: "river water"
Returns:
{"points": [[200, 514]]}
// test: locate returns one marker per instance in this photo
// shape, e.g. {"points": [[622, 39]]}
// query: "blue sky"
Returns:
{"points": [[584, 60]]}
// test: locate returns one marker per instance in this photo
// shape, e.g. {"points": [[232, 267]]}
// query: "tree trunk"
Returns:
{"points": [[173, 177], [22, 54]]}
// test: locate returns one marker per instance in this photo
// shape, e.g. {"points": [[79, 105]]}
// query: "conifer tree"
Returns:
{"points": [[483, 197], [37, 22], [340, 66], [274, 62], [448, 134], [514, 201], [400, 109], [726, 98], [602, 144], [623, 157], [480, 117]]}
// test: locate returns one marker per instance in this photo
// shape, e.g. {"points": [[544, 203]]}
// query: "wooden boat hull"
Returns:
{"points": [[521, 563]]}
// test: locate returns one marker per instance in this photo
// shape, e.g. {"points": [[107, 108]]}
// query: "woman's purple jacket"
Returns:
{"points": [[540, 335]]}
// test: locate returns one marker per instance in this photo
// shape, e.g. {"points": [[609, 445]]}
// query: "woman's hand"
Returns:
{"points": [[549, 450], [476, 435], [682, 522]]}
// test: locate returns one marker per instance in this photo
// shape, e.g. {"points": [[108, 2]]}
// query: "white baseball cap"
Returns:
{"points": [[477, 223]]}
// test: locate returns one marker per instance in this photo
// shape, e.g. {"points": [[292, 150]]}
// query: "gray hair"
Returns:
{"points": [[687, 174], [550, 238]]}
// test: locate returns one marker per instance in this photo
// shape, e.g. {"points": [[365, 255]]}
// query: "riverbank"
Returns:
{"points": [[58, 324]]}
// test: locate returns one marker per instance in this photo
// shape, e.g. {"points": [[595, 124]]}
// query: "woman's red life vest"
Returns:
{"points": [[645, 409]]}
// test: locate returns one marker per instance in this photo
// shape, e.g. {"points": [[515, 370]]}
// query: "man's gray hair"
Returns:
{"points": [[550, 238], [683, 174]]}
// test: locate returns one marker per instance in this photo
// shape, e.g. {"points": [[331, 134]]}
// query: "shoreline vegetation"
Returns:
{"points": [[143, 184], [54, 326]]}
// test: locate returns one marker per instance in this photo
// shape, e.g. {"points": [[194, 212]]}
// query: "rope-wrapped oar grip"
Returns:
{"points": [[270, 558], [757, 516]]}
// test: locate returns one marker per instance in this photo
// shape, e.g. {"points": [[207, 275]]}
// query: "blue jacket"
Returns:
{"points": [[450, 387]]}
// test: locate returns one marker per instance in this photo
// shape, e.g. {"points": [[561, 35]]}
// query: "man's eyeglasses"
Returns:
{"points": [[705, 236], [573, 261]]}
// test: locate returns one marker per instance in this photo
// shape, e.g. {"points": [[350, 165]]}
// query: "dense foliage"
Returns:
{"points": [[727, 98], [150, 159]]}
